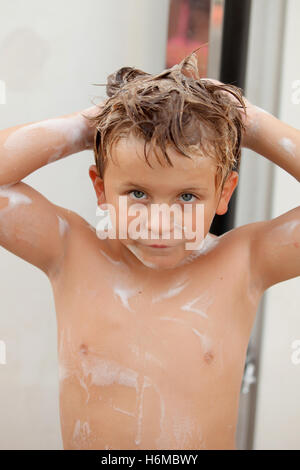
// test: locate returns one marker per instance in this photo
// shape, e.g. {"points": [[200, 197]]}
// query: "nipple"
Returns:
{"points": [[83, 349]]}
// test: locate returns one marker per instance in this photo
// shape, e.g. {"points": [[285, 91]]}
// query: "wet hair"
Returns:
{"points": [[175, 107]]}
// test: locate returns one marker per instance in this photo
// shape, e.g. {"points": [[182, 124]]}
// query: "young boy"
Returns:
{"points": [[152, 339]]}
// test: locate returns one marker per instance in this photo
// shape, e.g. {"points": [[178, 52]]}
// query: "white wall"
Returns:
{"points": [[50, 54], [278, 405]]}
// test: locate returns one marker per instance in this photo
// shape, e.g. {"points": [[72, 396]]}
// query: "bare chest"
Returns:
{"points": [[134, 352], [151, 322]]}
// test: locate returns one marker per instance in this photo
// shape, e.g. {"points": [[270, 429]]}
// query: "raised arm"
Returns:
{"points": [[31, 226], [274, 244]]}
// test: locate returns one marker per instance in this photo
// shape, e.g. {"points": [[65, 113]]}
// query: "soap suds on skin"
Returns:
{"points": [[287, 228], [136, 252], [63, 370], [67, 370], [206, 245], [254, 124], [189, 306], [171, 292], [58, 151], [288, 146], [106, 372], [140, 413], [72, 131], [123, 411], [290, 225], [182, 430], [14, 197], [124, 294], [9, 185], [85, 387], [206, 343], [97, 370], [102, 372], [82, 434], [149, 357], [205, 301], [162, 408], [63, 225], [80, 430], [112, 261]]}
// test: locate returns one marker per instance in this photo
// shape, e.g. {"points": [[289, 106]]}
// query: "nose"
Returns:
{"points": [[164, 220], [160, 225]]}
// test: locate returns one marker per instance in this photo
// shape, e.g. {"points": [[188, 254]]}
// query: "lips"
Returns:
{"points": [[159, 246]]}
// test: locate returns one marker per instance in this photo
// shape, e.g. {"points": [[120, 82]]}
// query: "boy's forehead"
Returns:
{"points": [[128, 153]]}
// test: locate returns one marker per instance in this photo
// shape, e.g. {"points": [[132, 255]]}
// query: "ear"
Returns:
{"points": [[98, 184], [228, 188]]}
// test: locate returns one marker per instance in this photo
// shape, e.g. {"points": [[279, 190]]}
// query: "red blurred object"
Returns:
{"points": [[188, 30]]}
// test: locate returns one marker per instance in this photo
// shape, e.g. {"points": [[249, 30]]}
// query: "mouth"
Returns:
{"points": [[155, 247], [159, 246]]}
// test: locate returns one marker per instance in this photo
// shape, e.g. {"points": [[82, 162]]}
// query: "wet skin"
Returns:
{"points": [[152, 358]]}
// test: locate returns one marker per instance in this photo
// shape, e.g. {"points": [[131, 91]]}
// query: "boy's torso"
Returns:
{"points": [[153, 363]]}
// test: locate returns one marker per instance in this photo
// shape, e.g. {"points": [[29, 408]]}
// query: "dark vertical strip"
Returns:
{"points": [[233, 71]]}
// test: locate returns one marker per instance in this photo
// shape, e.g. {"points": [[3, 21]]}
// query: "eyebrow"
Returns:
{"points": [[197, 188]]}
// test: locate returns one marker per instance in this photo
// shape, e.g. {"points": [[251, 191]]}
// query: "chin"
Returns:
{"points": [[156, 258]]}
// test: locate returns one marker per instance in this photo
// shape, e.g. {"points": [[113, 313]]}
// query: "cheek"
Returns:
{"points": [[198, 217], [123, 212], [210, 212], [125, 215]]}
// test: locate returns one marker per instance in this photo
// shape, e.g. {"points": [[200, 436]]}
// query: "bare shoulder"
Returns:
{"points": [[35, 229], [275, 248], [270, 248], [235, 238], [232, 247], [74, 220], [80, 232]]}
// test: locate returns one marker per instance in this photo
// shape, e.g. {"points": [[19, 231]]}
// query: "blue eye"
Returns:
{"points": [[137, 194], [189, 195]]}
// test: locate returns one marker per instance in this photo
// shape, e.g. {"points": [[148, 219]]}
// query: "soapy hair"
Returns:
{"points": [[175, 107]]}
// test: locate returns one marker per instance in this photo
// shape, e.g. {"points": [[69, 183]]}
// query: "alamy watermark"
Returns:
{"points": [[295, 357], [2, 92], [145, 225], [296, 92], [2, 352]]}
